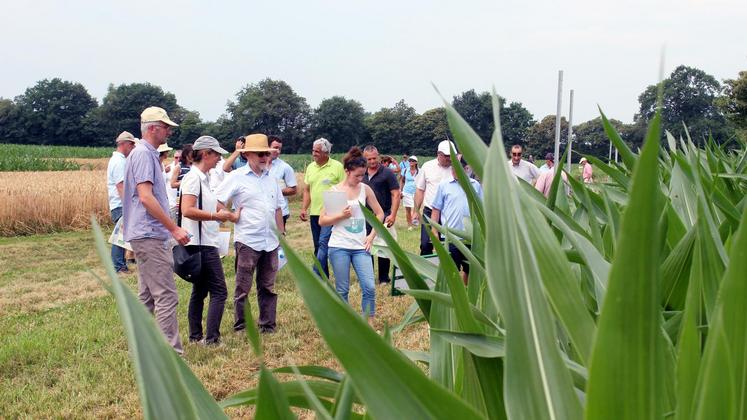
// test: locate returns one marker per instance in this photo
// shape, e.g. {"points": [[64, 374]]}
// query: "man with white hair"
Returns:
{"points": [[321, 174], [426, 184], [115, 173], [148, 227]]}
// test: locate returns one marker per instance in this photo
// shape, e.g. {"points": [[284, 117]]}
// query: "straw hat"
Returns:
{"points": [[164, 148], [125, 136], [256, 143]]}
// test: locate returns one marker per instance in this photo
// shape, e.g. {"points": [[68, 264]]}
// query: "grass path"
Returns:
{"points": [[63, 352]]}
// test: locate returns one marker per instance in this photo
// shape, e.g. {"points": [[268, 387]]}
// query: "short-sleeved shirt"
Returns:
{"points": [[451, 200], [587, 173], [216, 175], [544, 168], [196, 183], [238, 163], [115, 173], [320, 179], [403, 166], [143, 166], [409, 187], [286, 178], [430, 175], [383, 182], [524, 170], [259, 196]]}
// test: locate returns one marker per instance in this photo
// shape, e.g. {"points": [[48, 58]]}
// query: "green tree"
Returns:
{"points": [[541, 137], [121, 108], [734, 102], [11, 131], [689, 97], [426, 131], [52, 112], [190, 128], [388, 127], [271, 107], [477, 110], [339, 120], [589, 137]]}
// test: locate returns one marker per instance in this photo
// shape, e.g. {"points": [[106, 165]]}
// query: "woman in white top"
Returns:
{"points": [[196, 193], [349, 244]]}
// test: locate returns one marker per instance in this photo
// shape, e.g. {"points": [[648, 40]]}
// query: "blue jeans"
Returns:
{"points": [[118, 253], [320, 235], [341, 259]]}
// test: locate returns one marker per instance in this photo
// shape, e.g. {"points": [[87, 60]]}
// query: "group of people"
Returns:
{"points": [[162, 204], [543, 176]]}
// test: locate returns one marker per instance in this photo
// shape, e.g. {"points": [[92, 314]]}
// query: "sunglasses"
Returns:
{"points": [[515, 154], [263, 154]]}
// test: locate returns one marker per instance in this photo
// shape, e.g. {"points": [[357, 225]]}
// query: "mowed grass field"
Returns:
{"points": [[63, 352]]}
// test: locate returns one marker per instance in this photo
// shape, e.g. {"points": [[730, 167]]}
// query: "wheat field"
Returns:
{"points": [[44, 202]]}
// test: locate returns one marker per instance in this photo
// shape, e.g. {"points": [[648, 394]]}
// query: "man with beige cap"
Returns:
{"points": [[115, 173], [258, 194], [148, 227]]}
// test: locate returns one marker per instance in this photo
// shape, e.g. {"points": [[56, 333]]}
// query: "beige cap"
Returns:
{"points": [[125, 136], [256, 143], [164, 148], [155, 113]]}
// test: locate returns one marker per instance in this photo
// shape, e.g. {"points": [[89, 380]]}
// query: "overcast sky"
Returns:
{"points": [[376, 52]]}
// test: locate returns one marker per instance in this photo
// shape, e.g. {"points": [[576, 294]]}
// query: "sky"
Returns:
{"points": [[376, 52]]}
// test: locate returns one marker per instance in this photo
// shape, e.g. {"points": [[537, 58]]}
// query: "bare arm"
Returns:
{"points": [[190, 211], [435, 216], [329, 220], [120, 190], [377, 210], [279, 220], [288, 191], [149, 201], [419, 195], [396, 196], [305, 203], [228, 164], [175, 175]]}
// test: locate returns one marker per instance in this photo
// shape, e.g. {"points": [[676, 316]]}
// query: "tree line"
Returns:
{"points": [[59, 112]]}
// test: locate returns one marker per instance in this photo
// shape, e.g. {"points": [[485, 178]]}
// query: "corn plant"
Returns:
{"points": [[620, 300]]}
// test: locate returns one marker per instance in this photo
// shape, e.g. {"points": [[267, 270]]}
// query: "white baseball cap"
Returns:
{"points": [[445, 147]]}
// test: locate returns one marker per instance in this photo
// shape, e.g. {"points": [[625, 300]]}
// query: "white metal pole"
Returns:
{"points": [[570, 131], [609, 157], [557, 115], [615, 154]]}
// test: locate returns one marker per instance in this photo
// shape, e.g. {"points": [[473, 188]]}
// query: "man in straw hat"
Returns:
{"points": [[148, 227], [258, 194], [115, 173]]}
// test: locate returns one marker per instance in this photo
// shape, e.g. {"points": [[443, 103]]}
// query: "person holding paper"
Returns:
{"points": [[115, 174], [348, 243]]}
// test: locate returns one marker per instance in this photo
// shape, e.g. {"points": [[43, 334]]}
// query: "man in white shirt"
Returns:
{"points": [[426, 184], [115, 173], [252, 188], [283, 173], [520, 167]]}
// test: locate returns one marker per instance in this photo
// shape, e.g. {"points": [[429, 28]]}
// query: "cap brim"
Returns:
{"points": [[169, 122], [220, 150], [256, 149]]}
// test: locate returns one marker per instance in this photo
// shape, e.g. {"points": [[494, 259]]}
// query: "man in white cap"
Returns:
{"points": [[258, 194], [148, 227], [115, 173], [426, 184]]}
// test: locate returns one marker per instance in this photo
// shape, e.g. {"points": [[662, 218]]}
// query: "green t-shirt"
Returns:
{"points": [[320, 179]]}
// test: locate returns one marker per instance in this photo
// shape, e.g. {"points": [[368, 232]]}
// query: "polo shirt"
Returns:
{"points": [[431, 174], [115, 172], [259, 196], [320, 179], [524, 170], [285, 177], [142, 166], [451, 200], [382, 183]]}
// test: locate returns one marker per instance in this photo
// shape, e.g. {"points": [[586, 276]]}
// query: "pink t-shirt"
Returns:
{"points": [[587, 173]]}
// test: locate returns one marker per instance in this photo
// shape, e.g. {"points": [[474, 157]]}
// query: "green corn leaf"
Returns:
{"points": [[324, 390], [313, 371], [396, 388], [622, 180], [319, 408], [344, 401], [252, 333], [168, 388], [624, 377], [536, 382], [272, 403], [675, 272], [469, 143], [414, 279], [475, 204], [627, 156], [721, 391], [477, 344], [446, 299]]}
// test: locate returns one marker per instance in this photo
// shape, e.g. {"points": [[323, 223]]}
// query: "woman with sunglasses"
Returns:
{"points": [[349, 244], [407, 185]]}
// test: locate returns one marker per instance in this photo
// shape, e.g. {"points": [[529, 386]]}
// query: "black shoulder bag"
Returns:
{"points": [[188, 260]]}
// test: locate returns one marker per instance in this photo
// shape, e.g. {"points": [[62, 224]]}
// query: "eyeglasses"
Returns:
{"points": [[263, 154]]}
